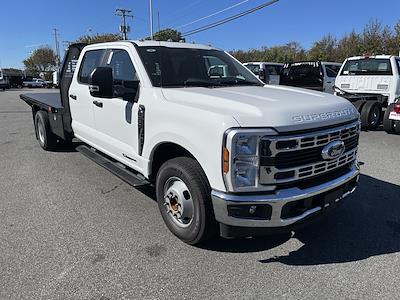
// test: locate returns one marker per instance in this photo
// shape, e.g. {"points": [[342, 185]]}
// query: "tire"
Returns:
{"points": [[173, 178], [396, 127], [47, 140], [387, 123], [371, 115], [359, 105]]}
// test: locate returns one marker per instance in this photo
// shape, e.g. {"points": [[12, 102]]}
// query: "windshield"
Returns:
{"points": [[185, 67], [367, 66]]}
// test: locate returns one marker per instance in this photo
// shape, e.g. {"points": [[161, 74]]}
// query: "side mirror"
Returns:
{"points": [[101, 83], [216, 71], [264, 75]]}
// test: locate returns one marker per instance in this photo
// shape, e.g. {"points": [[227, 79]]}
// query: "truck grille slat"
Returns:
{"points": [[290, 158]]}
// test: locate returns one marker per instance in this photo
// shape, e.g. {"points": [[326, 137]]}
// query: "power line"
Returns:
{"points": [[124, 13], [226, 20], [183, 12], [213, 14]]}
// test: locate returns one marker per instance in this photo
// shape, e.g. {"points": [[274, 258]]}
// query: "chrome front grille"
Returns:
{"points": [[285, 159]]}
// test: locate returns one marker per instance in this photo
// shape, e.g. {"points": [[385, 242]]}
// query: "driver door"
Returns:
{"points": [[116, 118]]}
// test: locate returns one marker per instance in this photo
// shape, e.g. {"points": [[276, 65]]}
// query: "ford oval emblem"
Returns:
{"points": [[333, 150]]}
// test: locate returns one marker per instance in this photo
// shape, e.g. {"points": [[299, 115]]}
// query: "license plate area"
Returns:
{"points": [[394, 116]]}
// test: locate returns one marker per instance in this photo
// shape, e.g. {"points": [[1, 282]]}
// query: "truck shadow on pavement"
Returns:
{"points": [[367, 224]]}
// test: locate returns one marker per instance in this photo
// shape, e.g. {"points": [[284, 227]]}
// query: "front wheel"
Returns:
{"points": [[184, 200]]}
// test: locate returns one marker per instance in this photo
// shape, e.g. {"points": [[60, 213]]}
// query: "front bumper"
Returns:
{"points": [[323, 196]]}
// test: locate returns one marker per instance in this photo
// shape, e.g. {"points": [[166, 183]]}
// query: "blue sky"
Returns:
{"points": [[26, 23]]}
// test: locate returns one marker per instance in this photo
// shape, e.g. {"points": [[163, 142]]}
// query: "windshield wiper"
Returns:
{"points": [[201, 83], [239, 82]]}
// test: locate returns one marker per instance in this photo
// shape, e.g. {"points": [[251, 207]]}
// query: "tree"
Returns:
{"points": [[292, 51], [99, 38], [375, 39], [372, 37], [350, 45], [324, 49], [168, 34], [41, 61]]}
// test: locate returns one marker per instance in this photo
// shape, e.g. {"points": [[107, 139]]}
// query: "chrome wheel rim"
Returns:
{"points": [[374, 116], [41, 132], [178, 202]]}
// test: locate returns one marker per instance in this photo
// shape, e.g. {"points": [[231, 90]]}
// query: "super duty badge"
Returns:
{"points": [[325, 115]]}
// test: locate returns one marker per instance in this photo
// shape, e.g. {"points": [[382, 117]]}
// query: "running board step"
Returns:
{"points": [[114, 167]]}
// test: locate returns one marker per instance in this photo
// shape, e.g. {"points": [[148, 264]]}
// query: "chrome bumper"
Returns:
{"points": [[221, 201]]}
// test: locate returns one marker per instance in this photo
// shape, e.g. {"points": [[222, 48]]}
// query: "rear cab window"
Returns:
{"points": [[254, 68], [273, 69], [367, 66]]}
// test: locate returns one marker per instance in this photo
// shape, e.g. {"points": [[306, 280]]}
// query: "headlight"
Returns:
{"points": [[241, 158], [245, 144]]}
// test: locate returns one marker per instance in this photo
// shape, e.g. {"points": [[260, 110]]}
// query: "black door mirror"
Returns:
{"points": [[101, 83]]}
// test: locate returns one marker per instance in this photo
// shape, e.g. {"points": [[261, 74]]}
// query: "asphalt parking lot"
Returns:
{"points": [[69, 229]]}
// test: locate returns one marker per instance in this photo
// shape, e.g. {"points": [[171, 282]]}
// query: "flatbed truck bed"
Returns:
{"points": [[44, 100]]}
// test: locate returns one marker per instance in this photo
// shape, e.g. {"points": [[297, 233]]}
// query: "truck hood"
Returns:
{"points": [[284, 108]]}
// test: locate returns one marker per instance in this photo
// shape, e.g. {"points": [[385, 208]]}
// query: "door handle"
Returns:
{"points": [[73, 97], [98, 103]]}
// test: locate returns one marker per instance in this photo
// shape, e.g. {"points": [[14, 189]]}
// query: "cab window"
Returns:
{"points": [[91, 61], [124, 74], [332, 70]]}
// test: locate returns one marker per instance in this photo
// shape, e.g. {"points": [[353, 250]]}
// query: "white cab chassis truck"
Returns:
{"points": [[371, 83], [226, 154]]}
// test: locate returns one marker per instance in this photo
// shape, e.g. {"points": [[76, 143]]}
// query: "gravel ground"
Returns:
{"points": [[69, 229]]}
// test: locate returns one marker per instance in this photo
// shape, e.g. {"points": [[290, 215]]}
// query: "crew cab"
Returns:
{"points": [[267, 72], [226, 154], [371, 83], [314, 75]]}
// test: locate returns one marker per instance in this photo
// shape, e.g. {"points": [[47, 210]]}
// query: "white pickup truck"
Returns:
{"points": [[34, 83], [226, 154], [268, 72], [370, 83]]}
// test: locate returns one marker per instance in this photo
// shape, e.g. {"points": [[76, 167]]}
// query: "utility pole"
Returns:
{"points": [[66, 44], [158, 21], [58, 58], [124, 13], [151, 19]]}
